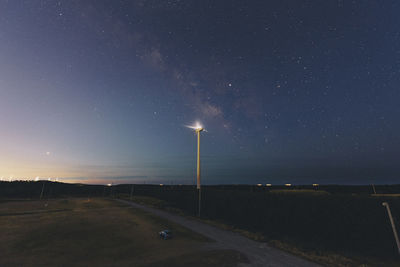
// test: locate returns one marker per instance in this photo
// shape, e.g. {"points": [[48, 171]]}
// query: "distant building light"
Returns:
{"points": [[315, 184], [268, 184], [288, 185], [161, 184], [259, 184], [109, 184]]}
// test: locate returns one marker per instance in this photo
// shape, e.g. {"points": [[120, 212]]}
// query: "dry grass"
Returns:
{"points": [[97, 233], [325, 258]]}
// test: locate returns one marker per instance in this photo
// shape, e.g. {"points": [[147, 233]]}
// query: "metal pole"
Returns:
{"points": [[41, 193], [199, 202], [385, 204], [198, 171], [373, 187], [198, 159]]}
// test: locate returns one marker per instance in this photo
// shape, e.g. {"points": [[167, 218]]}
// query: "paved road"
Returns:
{"points": [[259, 254]]}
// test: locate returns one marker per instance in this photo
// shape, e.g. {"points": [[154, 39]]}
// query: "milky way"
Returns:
{"points": [[289, 91]]}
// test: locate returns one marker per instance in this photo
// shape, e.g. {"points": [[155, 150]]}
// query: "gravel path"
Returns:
{"points": [[259, 254]]}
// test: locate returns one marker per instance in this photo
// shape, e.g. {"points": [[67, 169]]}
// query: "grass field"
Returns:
{"points": [[334, 230], [97, 232]]}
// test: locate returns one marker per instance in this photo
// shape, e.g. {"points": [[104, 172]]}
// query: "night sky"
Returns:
{"points": [[289, 91]]}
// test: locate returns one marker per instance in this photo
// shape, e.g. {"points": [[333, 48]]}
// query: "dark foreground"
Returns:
{"points": [[332, 225], [338, 226], [98, 232], [259, 254]]}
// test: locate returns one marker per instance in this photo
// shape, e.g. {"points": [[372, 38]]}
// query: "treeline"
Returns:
{"points": [[33, 190]]}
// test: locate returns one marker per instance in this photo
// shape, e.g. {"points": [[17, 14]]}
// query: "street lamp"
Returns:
{"points": [[385, 204], [198, 129]]}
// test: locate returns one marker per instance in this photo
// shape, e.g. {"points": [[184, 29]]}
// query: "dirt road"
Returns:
{"points": [[259, 254]]}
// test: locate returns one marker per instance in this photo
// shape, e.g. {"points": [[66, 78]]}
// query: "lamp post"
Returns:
{"points": [[385, 204], [41, 193], [198, 129]]}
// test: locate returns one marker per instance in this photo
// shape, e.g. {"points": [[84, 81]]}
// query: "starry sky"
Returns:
{"points": [[289, 91]]}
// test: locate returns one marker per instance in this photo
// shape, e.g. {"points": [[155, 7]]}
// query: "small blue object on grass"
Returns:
{"points": [[165, 234]]}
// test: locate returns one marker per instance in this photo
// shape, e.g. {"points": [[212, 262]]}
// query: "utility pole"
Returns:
{"points": [[41, 193], [198, 130], [373, 187], [385, 204]]}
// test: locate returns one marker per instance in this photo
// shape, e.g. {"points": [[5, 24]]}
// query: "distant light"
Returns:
{"points": [[48, 153], [259, 184], [315, 184], [161, 184], [109, 184], [288, 185], [268, 184], [37, 178]]}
